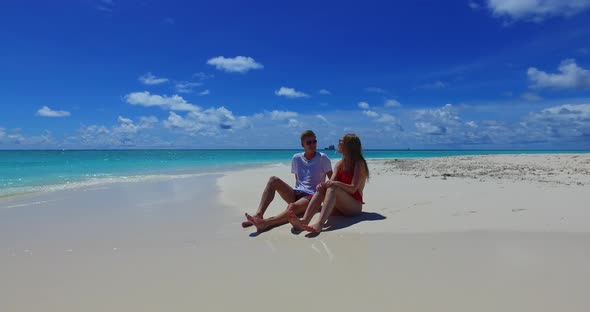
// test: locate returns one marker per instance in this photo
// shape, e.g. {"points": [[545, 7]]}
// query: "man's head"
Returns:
{"points": [[308, 141]]}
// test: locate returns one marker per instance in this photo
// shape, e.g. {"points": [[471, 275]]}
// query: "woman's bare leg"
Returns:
{"points": [[314, 205], [336, 198], [312, 208]]}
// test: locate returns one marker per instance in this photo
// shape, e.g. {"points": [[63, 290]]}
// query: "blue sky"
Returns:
{"points": [[254, 74]]}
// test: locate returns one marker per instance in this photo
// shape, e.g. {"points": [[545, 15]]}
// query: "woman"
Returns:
{"points": [[343, 193]]}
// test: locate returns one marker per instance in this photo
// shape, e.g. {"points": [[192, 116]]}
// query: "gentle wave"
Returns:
{"points": [[95, 182]]}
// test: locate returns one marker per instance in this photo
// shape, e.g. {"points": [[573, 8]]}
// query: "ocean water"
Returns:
{"points": [[33, 171]]}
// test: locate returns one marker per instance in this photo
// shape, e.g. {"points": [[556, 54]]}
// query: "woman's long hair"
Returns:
{"points": [[353, 151]]}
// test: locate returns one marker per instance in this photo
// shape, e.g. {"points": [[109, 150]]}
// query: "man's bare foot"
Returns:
{"points": [[316, 228], [246, 224], [294, 220], [259, 223]]}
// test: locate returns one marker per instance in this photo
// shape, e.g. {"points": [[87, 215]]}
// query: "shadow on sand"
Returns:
{"points": [[335, 223], [340, 222]]}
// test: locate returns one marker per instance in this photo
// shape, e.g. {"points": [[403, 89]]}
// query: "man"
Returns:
{"points": [[310, 168]]}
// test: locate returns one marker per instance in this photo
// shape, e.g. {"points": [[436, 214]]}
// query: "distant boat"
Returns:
{"points": [[330, 148]]}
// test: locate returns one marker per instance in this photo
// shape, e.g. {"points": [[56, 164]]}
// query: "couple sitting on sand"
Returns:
{"points": [[342, 194]]}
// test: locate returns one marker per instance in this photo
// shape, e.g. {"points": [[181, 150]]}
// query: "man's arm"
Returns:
{"points": [[327, 166], [329, 174]]}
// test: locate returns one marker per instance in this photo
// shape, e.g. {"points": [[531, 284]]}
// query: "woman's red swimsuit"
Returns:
{"points": [[346, 178]]}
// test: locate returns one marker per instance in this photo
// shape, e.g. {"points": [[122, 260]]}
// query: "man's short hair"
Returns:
{"points": [[307, 133]]}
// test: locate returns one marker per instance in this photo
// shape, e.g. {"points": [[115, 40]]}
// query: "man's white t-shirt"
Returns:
{"points": [[310, 173]]}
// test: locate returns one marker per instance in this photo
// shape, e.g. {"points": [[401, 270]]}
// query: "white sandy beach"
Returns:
{"points": [[481, 233]]}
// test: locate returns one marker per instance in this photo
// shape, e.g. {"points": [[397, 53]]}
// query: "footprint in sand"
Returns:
{"points": [[518, 210], [464, 213], [392, 210], [422, 203]]}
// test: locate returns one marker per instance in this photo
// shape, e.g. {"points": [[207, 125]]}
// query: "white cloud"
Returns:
{"points": [[430, 128], [566, 113], [238, 64], [531, 97], [189, 123], [536, 10], [293, 123], [437, 121], [473, 5], [202, 76], [371, 113], [150, 79], [364, 105], [175, 102], [209, 122], [48, 112], [186, 87], [11, 138], [127, 126], [282, 115], [14, 139], [325, 92], [290, 93], [176, 121], [383, 118], [96, 135], [205, 92], [564, 121], [392, 103], [375, 90], [126, 133], [571, 76], [387, 118], [322, 118], [445, 113], [124, 120]]}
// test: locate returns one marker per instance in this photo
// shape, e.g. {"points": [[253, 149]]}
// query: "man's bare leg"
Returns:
{"points": [[262, 225], [294, 220], [273, 185]]}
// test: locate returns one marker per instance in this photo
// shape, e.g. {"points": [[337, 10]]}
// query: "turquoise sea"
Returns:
{"points": [[25, 171]]}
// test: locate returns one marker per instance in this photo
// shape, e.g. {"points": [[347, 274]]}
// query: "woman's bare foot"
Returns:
{"points": [[259, 223], [246, 224], [295, 222], [316, 228]]}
